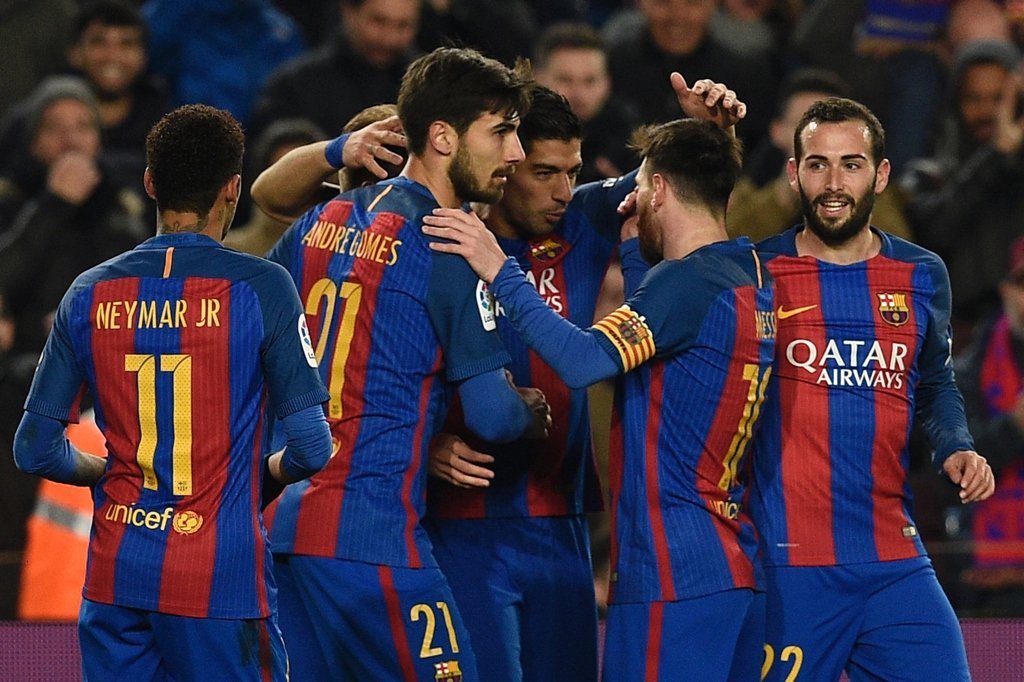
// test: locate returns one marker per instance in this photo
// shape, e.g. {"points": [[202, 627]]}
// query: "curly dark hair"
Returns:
{"points": [[191, 153]]}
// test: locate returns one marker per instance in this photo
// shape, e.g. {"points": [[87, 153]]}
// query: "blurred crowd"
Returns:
{"points": [[85, 81]]}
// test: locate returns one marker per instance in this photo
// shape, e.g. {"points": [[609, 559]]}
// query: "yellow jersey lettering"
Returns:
{"points": [[209, 309]]}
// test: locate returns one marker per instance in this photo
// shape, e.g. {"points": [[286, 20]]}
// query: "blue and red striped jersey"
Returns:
{"points": [[183, 345], [683, 423], [394, 324], [861, 348], [556, 476]]}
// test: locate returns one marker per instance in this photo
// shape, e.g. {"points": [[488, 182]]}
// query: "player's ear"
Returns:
{"points": [[791, 174], [882, 176], [441, 136], [147, 182], [660, 189], [233, 189]]}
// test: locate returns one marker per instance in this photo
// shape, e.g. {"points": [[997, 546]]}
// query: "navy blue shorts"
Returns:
{"points": [[526, 592], [121, 643], [349, 620], [885, 620], [716, 638]]}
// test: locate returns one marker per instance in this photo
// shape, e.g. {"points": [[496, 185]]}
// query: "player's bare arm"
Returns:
{"points": [[88, 468], [289, 187], [468, 237], [972, 473], [452, 460]]}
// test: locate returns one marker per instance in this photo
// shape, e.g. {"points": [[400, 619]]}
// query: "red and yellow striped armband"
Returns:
{"points": [[629, 333]]}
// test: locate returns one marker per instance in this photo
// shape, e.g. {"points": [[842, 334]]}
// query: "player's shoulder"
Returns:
{"points": [[900, 249]]}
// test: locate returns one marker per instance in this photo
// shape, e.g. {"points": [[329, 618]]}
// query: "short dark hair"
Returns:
{"points": [[108, 13], [810, 79], [839, 110], [566, 36], [550, 118], [191, 153], [458, 85], [700, 160], [357, 177]]}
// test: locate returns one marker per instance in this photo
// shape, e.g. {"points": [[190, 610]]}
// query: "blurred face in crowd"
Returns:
{"points": [[487, 155], [579, 75], [748, 10], [782, 127], [110, 57], [66, 125], [381, 30], [836, 179], [539, 191], [981, 88], [678, 26]]}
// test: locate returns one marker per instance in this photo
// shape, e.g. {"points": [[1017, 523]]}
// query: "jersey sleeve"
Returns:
{"points": [[463, 313], [599, 202], [59, 382], [289, 363], [634, 266], [940, 407]]}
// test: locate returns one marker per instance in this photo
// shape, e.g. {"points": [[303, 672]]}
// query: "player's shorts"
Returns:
{"points": [[121, 643], [526, 592], [716, 638], [885, 620], [349, 620]]}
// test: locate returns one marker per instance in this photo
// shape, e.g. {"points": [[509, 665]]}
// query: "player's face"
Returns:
{"points": [[836, 180], [579, 75], [111, 57], [67, 125], [537, 194], [651, 246], [488, 153]]}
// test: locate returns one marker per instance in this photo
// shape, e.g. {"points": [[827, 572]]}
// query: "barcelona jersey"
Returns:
{"points": [[555, 476], [394, 324], [861, 349], [183, 345], [703, 329]]}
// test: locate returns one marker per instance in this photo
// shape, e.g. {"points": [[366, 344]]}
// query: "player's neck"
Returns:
{"points": [[434, 176], [862, 246], [688, 229]]}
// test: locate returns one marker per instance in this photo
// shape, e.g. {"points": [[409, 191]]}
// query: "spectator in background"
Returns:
{"points": [[990, 375], [219, 52], [108, 49], [61, 212], [33, 35], [756, 28], [262, 231], [360, 67], [889, 52], [674, 35], [976, 20], [763, 202], [571, 60], [965, 202]]}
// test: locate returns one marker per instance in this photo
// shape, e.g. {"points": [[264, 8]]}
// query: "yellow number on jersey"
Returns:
{"points": [[322, 298]]}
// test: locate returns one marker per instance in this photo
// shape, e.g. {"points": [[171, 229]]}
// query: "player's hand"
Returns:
{"points": [[366, 146], [972, 473], [708, 101], [468, 237], [539, 408], [627, 207], [453, 461], [73, 177]]}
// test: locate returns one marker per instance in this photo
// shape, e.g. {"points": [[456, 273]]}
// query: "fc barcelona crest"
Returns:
{"points": [[548, 250], [633, 330], [893, 308], [448, 671]]}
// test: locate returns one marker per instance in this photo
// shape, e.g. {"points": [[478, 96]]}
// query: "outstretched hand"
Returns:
{"points": [[708, 101], [468, 237], [452, 460], [366, 146]]}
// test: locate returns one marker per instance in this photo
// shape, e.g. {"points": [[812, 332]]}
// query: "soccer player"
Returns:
{"points": [[183, 345], [863, 348], [395, 326], [683, 602]]}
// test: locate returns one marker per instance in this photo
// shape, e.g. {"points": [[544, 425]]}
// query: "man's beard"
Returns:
{"points": [[651, 246], [460, 173], [836, 233]]}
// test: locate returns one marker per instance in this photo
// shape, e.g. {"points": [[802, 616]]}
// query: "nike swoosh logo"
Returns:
{"points": [[782, 313]]}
